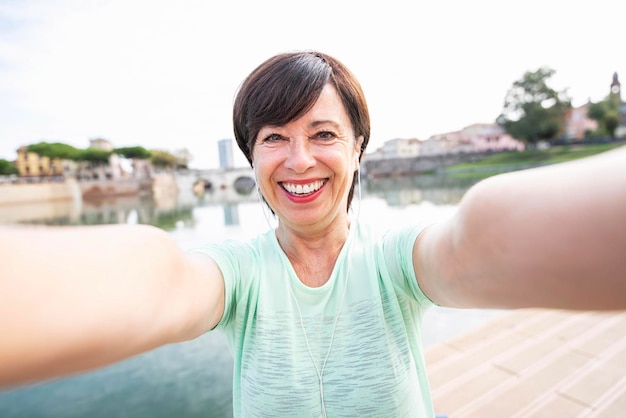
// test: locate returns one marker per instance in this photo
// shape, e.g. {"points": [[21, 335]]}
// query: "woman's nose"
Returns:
{"points": [[300, 158]]}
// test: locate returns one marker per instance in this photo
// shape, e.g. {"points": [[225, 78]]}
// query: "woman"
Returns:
{"points": [[322, 314]]}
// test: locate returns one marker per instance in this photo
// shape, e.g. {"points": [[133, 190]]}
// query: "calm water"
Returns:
{"points": [[193, 379]]}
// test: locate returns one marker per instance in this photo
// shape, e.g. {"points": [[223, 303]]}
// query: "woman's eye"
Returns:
{"points": [[272, 138], [325, 135]]}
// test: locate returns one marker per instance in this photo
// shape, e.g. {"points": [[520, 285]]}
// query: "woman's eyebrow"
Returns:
{"points": [[317, 123]]}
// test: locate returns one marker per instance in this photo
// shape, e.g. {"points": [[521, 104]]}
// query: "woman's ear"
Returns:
{"points": [[357, 150], [359, 144]]}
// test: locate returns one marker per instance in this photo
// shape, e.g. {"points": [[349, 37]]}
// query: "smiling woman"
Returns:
{"points": [[305, 166], [323, 314]]}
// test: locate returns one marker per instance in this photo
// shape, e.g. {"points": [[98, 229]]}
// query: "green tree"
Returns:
{"points": [[55, 150], [94, 155], [7, 168], [606, 113], [533, 111], [133, 152], [163, 159]]}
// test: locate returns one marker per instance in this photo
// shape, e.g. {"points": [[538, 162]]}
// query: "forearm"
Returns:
{"points": [[78, 298], [551, 237]]}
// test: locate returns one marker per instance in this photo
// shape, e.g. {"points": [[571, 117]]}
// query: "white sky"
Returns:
{"points": [[163, 74]]}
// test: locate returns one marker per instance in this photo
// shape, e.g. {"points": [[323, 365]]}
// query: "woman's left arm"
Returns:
{"points": [[546, 237]]}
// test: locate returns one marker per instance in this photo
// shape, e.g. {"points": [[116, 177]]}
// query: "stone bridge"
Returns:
{"points": [[217, 179]]}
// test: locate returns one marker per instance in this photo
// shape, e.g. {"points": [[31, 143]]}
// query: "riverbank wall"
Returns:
{"points": [[11, 193], [97, 189], [407, 166], [69, 189]]}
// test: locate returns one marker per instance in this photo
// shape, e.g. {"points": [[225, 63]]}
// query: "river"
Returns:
{"points": [[194, 378]]}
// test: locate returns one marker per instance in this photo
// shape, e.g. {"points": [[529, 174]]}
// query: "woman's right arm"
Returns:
{"points": [[78, 298]]}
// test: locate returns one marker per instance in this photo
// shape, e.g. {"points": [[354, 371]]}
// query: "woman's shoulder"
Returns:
{"points": [[385, 235], [239, 249]]}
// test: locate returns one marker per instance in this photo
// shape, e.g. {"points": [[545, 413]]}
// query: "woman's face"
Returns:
{"points": [[305, 168]]}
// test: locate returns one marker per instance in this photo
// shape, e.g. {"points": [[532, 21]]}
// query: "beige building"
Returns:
{"points": [[446, 144], [30, 164], [397, 148], [100, 143]]}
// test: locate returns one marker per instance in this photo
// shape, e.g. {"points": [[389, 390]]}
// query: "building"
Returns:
{"points": [[491, 137], [578, 125], [479, 137], [225, 148], [447, 143], [102, 144], [616, 92], [397, 148], [30, 164], [476, 138]]}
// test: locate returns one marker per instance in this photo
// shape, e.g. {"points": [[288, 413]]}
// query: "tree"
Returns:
{"points": [[163, 159], [68, 152], [7, 168], [606, 113], [55, 150], [94, 155], [133, 152], [183, 157], [533, 111]]}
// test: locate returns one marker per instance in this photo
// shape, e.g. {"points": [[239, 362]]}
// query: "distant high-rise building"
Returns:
{"points": [[225, 147]]}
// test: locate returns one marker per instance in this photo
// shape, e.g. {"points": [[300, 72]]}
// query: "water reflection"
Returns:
{"points": [[112, 210], [166, 213], [231, 214], [173, 211], [186, 380], [403, 191]]}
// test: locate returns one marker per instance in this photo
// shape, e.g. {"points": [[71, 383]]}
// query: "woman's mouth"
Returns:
{"points": [[303, 189]]}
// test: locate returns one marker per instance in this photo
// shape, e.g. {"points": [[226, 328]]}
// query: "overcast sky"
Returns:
{"points": [[163, 74]]}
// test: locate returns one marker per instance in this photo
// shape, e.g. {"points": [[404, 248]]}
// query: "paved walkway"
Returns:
{"points": [[533, 363]]}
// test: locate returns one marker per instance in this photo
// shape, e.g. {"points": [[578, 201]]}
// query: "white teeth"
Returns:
{"points": [[303, 189]]}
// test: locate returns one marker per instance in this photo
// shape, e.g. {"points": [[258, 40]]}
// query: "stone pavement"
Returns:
{"points": [[533, 363]]}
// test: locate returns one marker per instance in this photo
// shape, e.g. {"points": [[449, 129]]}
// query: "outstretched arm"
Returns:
{"points": [[76, 298], [547, 237]]}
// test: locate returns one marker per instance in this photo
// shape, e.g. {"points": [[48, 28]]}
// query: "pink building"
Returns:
{"points": [[479, 137], [577, 124], [487, 137]]}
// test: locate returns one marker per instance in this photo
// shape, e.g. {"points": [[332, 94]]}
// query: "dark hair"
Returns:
{"points": [[286, 86]]}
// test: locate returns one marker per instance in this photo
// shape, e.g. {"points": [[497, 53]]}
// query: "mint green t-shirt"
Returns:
{"points": [[369, 314]]}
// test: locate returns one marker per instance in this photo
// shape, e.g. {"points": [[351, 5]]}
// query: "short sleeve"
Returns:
{"points": [[233, 260], [397, 246]]}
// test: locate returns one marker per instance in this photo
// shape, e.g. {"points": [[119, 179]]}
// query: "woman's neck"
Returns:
{"points": [[313, 253]]}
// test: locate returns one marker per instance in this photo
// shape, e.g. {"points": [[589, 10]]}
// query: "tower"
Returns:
{"points": [[616, 87], [616, 96]]}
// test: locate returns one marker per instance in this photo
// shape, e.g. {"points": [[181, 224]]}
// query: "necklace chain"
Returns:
{"points": [[318, 371]]}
